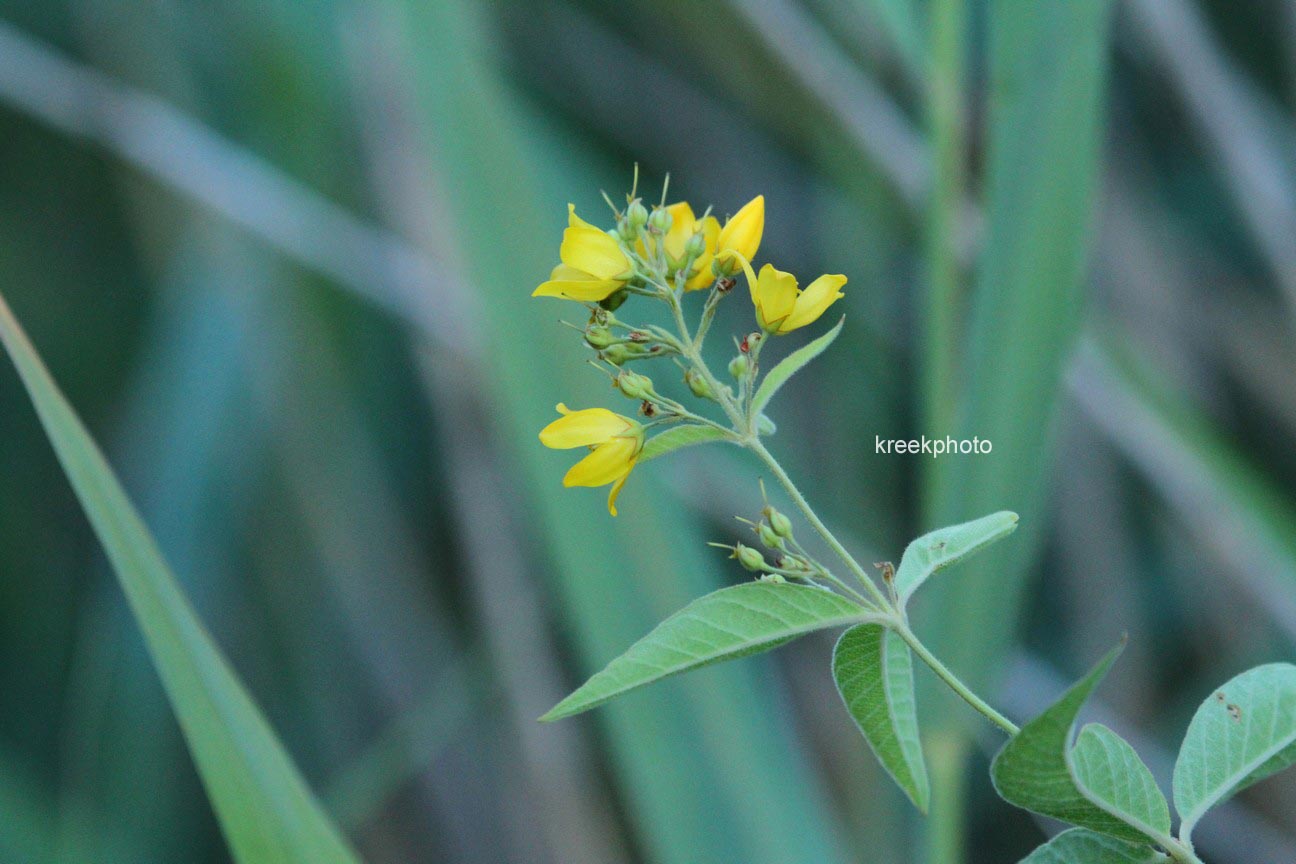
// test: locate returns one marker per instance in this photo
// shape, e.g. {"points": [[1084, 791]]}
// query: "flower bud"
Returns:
{"points": [[636, 215], [599, 337], [634, 385], [780, 524], [738, 367], [772, 577], [749, 558], [769, 537], [620, 352], [695, 246], [660, 220], [698, 384], [765, 426]]}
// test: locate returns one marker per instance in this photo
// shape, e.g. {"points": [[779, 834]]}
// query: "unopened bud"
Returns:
{"points": [[599, 337], [698, 384], [772, 577], [634, 385], [660, 220], [781, 525], [769, 537], [765, 426], [695, 246], [636, 215], [738, 367], [749, 558], [620, 352]]}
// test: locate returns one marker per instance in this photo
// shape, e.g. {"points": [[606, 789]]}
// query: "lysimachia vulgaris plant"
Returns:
{"points": [[1092, 779]]}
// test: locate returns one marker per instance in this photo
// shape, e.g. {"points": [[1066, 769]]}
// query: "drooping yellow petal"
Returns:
{"points": [[702, 276], [586, 290], [583, 428], [774, 295], [615, 491], [594, 252], [742, 233], [607, 463], [813, 301]]}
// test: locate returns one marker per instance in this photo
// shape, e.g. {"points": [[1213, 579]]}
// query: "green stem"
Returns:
{"points": [[952, 681], [754, 444]]}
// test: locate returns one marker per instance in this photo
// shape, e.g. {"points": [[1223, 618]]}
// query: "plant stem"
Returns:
{"points": [[952, 680], [754, 444]]}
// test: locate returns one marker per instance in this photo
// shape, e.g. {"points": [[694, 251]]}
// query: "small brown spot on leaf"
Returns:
{"points": [[1219, 697], [1235, 712]]}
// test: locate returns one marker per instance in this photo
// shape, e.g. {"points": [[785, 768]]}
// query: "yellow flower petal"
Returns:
{"points": [[586, 290], [583, 428], [774, 295], [594, 252], [702, 276], [742, 233], [813, 301], [607, 463], [615, 491], [574, 221], [682, 223]]}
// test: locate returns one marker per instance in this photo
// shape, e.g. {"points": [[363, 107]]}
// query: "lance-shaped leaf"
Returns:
{"points": [[266, 811], [680, 436], [724, 625], [790, 365], [1035, 770], [1242, 733], [1081, 846], [947, 546], [873, 668]]}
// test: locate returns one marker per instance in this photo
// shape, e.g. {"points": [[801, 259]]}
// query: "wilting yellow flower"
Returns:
{"points": [[781, 306], [614, 441], [683, 226], [593, 266], [742, 233]]}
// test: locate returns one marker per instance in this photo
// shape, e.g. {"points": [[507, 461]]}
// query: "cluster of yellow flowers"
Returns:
{"points": [[664, 254]]}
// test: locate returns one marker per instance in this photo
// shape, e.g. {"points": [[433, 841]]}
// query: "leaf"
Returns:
{"points": [[947, 546], [1242, 733], [680, 436], [873, 668], [1081, 846], [1112, 775], [724, 625], [266, 811], [1034, 770], [790, 365]]}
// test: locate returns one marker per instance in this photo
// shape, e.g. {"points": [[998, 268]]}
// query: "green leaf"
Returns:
{"points": [[1242, 733], [1112, 775], [724, 625], [947, 546], [873, 668], [680, 436], [265, 809], [1034, 770], [1081, 846], [790, 365]]}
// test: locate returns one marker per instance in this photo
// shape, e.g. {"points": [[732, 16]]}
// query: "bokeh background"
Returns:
{"points": [[279, 253]]}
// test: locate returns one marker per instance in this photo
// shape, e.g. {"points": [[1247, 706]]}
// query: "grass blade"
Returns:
{"points": [[265, 808]]}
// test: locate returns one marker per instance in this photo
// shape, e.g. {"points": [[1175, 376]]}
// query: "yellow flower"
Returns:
{"points": [[593, 266], [742, 232], [683, 226], [781, 306], [614, 441]]}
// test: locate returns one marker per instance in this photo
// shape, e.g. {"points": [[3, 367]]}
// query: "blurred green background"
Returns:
{"points": [[279, 255]]}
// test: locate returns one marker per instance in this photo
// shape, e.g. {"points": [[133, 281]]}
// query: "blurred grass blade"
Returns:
{"points": [[266, 811], [1048, 65]]}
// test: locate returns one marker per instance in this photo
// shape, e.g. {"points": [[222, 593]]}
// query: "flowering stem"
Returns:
{"points": [[754, 444]]}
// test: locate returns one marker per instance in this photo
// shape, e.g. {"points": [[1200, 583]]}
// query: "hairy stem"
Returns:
{"points": [[951, 680]]}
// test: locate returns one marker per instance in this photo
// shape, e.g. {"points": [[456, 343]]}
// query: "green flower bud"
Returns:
{"points": [[765, 426], [660, 220], [772, 577], [634, 385], [636, 215], [749, 558], [695, 245], [738, 367], [780, 524], [698, 384], [769, 537], [620, 352], [599, 337]]}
